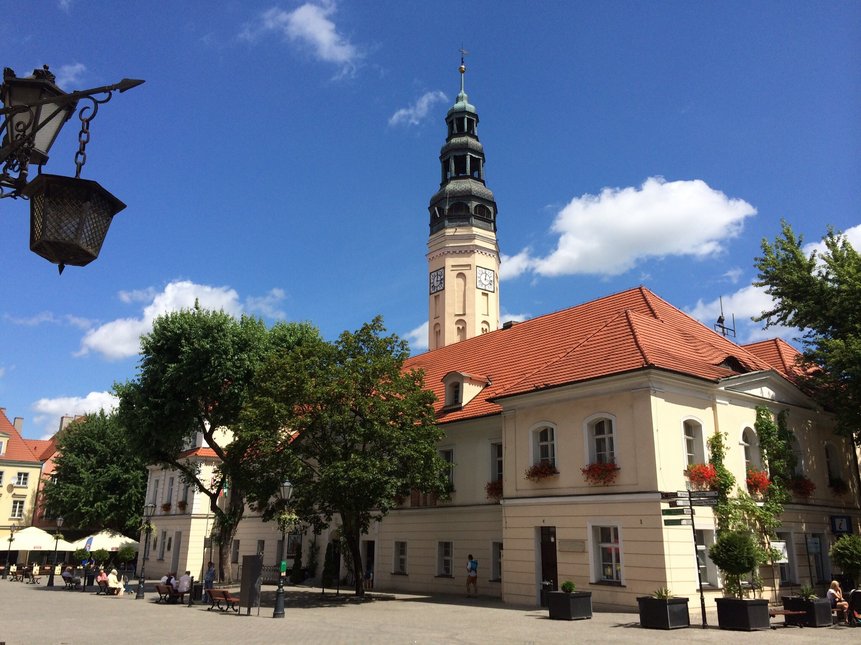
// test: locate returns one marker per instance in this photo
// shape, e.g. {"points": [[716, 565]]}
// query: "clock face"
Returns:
{"points": [[437, 280], [484, 279]]}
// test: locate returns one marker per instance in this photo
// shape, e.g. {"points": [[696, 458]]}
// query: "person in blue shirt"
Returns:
{"points": [[208, 581], [471, 575]]}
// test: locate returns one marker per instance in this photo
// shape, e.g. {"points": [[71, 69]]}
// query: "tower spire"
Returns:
{"points": [[463, 254]]}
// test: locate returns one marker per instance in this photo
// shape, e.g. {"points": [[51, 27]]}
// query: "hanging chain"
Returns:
{"points": [[83, 140]]}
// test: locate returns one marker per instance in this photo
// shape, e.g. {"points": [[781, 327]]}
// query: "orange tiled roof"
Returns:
{"points": [[16, 448], [623, 332], [779, 354], [204, 451], [38, 447]]}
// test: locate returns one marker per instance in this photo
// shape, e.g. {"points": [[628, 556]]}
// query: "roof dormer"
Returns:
{"points": [[461, 388]]}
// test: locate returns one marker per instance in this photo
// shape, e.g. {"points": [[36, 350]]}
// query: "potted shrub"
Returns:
{"points": [[182, 505], [541, 470], [165, 507], [493, 490], [569, 604], [600, 474], [662, 610], [818, 610], [736, 554], [846, 554]]}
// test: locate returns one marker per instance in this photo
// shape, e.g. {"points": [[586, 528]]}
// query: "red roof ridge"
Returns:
{"points": [[629, 318], [647, 298]]}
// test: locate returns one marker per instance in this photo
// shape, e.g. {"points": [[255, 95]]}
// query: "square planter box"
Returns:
{"points": [[818, 611], [742, 614], [663, 613], [576, 605]]}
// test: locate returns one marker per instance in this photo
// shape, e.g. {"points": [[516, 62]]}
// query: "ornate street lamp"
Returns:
{"points": [[56, 540], [286, 492], [69, 216], [11, 538], [149, 510]]}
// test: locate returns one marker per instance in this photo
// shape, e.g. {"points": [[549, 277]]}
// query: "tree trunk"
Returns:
{"points": [[227, 521], [352, 534]]}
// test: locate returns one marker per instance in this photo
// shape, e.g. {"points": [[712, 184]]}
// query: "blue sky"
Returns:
{"points": [[280, 158]]}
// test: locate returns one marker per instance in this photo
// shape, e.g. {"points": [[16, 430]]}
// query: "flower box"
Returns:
{"points": [[742, 614], [541, 470], [165, 507], [600, 474], [818, 611], [493, 490], [182, 505], [757, 481], [702, 476], [663, 613], [801, 486]]}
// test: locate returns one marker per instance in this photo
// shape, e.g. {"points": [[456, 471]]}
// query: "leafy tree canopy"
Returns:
{"points": [[100, 481], [349, 427], [195, 372], [820, 294]]}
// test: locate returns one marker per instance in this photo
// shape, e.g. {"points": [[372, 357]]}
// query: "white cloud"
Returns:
{"points": [[610, 233], [733, 275], [308, 26], [418, 111], [267, 306], [137, 295], [744, 304], [69, 76], [507, 317], [48, 318], [853, 235], [65, 5], [418, 338], [511, 266], [121, 338], [49, 411]]}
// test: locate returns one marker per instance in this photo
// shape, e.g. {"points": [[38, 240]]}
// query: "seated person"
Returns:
{"points": [[168, 579], [184, 583], [102, 577], [115, 585], [70, 577], [835, 595]]}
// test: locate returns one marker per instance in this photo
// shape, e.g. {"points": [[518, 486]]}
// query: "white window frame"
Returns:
{"points": [[2, 446], [795, 446], [17, 509], [445, 559], [536, 443], [161, 545], [693, 440], [169, 492], [22, 479], [711, 576], [497, 467], [399, 558], [750, 450], [596, 573], [788, 570], [1, 477], [594, 455]]}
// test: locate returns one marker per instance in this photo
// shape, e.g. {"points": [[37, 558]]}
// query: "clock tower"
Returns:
{"points": [[463, 256]]}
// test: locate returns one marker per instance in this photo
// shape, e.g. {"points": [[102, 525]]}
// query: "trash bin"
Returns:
{"points": [[197, 592]]}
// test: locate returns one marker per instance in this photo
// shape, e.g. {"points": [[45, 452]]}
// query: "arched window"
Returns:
{"points": [[544, 445], [832, 463], [460, 330], [485, 327], [453, 397], [460, 294], [436, 336], [482, 211], [750, 443], [694, 449], [799, 457], [602, 442], [458, 208]]}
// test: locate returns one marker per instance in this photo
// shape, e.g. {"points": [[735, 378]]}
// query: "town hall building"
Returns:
{"points": [[562, 432]]}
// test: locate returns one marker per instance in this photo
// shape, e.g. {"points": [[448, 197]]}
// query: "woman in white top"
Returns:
{"points": [[835, 595]]}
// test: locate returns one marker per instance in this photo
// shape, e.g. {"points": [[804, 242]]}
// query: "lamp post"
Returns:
{"points": [[11, 538], [149, 509], [69, 216], [286, 493], [54, 562]]}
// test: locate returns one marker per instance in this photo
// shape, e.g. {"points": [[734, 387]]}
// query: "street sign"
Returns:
{"points": [[703, 494], [677, 522], [677, 511], [683, 493], [680, 502], [666, 496], [704, 502]]}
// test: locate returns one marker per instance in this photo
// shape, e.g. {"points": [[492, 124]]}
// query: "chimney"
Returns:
{"points": [[19, 424]]}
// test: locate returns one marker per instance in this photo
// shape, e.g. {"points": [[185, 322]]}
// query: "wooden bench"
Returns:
{"points": [[105, 590], [169, 595], [218, 596], [72, 583]]}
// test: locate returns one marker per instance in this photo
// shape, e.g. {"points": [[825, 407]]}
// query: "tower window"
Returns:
{"points": [[460, 330], [482, 211], [459, 208], [470, 126], [459, 165], [475, 167]]}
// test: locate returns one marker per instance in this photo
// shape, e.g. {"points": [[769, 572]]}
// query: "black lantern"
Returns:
{"points": [[69, 218], [40, 118]]}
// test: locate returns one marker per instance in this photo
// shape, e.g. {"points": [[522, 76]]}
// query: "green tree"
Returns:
{"points": [[819, 294], [349, 427], [99, 480], [195, 372], [846, 554]]}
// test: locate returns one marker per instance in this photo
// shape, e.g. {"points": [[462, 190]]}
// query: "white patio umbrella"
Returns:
{"points": [[107, 540], [35, 539]]}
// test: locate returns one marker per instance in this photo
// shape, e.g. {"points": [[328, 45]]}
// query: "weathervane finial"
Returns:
{"points": [[463, 53]]}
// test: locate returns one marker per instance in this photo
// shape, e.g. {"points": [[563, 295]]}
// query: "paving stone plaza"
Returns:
{"points": [[34, 614]]}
